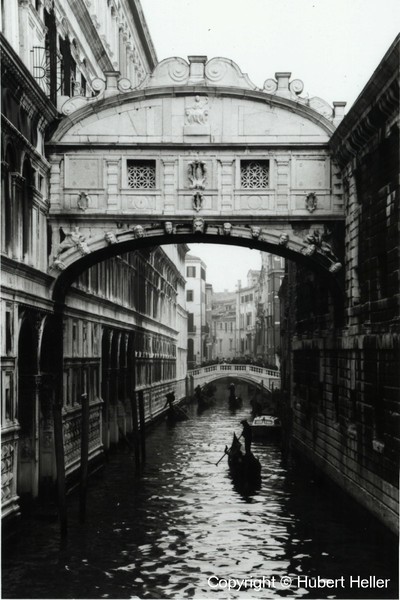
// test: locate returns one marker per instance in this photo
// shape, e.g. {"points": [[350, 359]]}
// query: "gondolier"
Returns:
{"points": [[247, 435]]}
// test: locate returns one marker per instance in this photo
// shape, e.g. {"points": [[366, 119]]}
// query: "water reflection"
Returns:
{"points": [[163, 535]]}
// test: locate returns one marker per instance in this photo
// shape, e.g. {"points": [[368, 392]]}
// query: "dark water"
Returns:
{"points": [[163, 535]]}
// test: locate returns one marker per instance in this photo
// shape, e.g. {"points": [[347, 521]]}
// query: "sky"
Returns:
{"points": [[333, 46]]}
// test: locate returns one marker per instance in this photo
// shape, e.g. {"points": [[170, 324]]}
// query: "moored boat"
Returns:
{"points": [[176, 413], [266, 427]]}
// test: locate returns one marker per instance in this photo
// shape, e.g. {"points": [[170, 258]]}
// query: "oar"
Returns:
{"points": [[224, 454]]}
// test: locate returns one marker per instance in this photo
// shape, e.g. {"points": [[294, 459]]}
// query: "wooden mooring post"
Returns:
{"points": [[60, 465], [135, 430], [142, 425]]}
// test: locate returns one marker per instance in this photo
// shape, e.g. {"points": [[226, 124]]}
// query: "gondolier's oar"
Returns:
{"points": [[226, 451]]}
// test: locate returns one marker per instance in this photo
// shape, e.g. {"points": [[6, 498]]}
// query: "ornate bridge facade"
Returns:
{"points": [[259, 376], [197, 152]]}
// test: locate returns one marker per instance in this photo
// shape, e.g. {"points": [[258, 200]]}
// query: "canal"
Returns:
{"points": [[181, 529]]}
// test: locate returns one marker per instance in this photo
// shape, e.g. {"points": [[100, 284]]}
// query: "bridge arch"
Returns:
{"points": [[260, 377], [77, 254]]}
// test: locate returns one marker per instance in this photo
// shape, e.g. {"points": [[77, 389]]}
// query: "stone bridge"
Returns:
{"points": [[196, 153], [258, 376]]}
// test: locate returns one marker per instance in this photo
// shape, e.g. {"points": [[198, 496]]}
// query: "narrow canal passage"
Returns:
{"points": [[163, 535]]}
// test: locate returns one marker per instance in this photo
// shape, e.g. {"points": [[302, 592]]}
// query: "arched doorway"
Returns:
{"points": [[48, 371], [105, 384], [27, 482]]}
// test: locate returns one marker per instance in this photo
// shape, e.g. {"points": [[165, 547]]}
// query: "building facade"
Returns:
{"points": [[268, 309], [340, 366], [124, 319], [246, 315], [197, 329], [224, 325], [167, 153]]}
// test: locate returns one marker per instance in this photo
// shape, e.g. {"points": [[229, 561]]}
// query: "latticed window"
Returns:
{"points": [[141, 174], [254, 174]]}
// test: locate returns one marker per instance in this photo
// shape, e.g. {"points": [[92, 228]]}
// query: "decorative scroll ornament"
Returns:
{"points": [[296, 86], [270, 86], [124, 84], [197, 114], [311, 202], [199, 225]]}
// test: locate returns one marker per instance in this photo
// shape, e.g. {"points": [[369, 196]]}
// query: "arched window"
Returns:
{"points": [[26, 208], [7, 199]]}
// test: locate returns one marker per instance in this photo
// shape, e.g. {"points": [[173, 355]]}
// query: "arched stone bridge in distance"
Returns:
{"points": [[258, 376]]}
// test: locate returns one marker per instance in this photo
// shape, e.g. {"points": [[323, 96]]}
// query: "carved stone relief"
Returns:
{"points": [[197, 114], [311, 202]]}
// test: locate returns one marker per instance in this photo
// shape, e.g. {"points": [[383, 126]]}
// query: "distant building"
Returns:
{"points": [[340, 347], [246, 314], [196, 308], [268, 308], [224, 324]]}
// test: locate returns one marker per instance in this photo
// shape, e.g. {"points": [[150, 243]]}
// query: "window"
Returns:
{"points": [[190, 271], [203, 273], [189, 295], [9, 330], [141, 174], [8, 388], [191, 327], [254, 174], [248, 319]]}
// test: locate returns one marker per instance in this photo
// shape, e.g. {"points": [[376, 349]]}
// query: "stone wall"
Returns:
{"points": [[341, 355]]}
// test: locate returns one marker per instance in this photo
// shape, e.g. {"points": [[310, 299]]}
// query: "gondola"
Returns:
{"points": [[175, 414], [244, 468], [234, 402], [204, 397]]}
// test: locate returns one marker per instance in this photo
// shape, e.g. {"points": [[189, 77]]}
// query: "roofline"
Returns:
{"points": [[138, 95], [143, 32], [378, 83]]}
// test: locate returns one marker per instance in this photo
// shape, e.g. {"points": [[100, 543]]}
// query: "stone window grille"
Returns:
{"points": [[254, 174], [141, 174]]}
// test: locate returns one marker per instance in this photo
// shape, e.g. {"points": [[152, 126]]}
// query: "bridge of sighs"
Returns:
{"points": [[197, 152]]}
